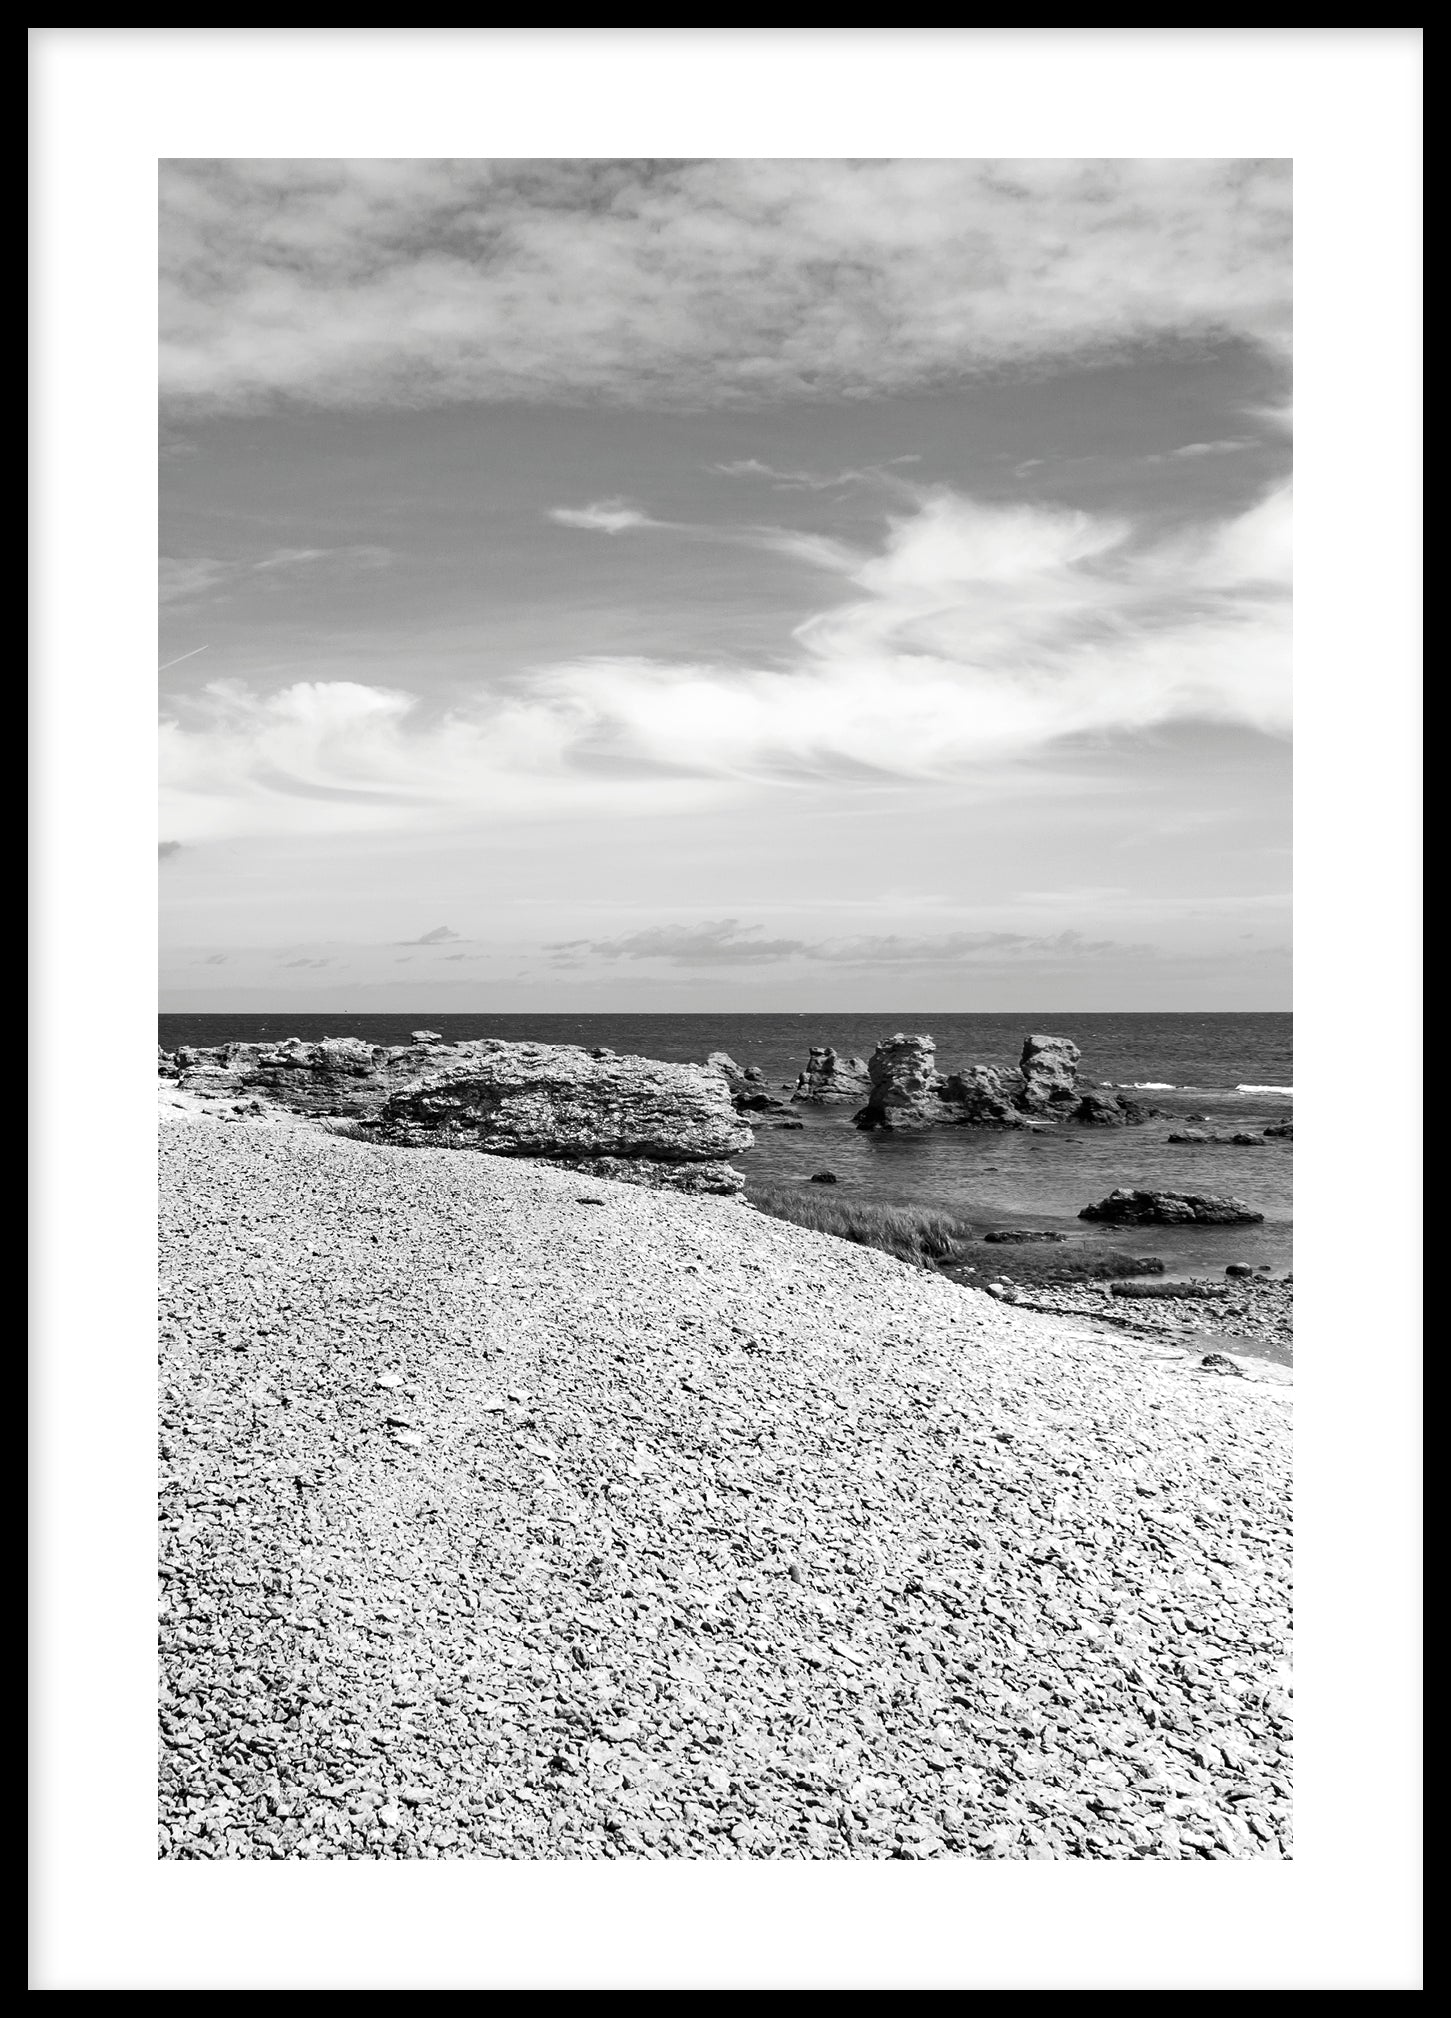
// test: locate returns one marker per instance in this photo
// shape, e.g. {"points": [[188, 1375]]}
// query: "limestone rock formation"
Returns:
{"points": [[1106, 1110], [1170, 1208], [983, 1096], [828, 1076], [747, 1084], [554, 1101], [562, 1103], [1049, 1066], [905, 1096]]}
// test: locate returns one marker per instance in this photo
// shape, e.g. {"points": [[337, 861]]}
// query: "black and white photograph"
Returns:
{"points": [[725, 1086]]}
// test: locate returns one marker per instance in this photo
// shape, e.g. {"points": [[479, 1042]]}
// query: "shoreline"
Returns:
{"points": [[693, 1534]]}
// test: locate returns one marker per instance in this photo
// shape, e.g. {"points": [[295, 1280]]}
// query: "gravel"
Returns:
{"points": [[501, 1523]]}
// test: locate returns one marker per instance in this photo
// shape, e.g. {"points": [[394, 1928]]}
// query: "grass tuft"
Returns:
{"points": [[921, 1238]]}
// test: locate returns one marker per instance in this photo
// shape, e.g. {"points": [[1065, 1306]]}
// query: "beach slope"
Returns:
{"points": [[508, 1513]]}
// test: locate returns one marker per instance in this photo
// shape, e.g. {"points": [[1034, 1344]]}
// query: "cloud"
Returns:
{"points": [[165, 848], [188, 581], [213, 960], [439, 936], [306, 963], [610, 515], [726, 942], [1192, 448], [697, 283], [971, 636]]}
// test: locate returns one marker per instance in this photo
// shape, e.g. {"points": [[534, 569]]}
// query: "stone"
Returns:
{"points": [[1218, 1362], [1191, 1135], [1171, 1208], [824, 1177], [905, 1082], [1239, 1268], [829, 1077], [1282, 1130], [983, 1096], [717, 1180], [1178, 1291], [747, 1084], [1105, 1110], [1015, 1236], [1049, 1068], [1245, 1140], [425, 1037], [561, 1103]]}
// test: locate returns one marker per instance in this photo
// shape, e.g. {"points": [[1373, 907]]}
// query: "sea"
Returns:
{"points": [[1233, 1069]]}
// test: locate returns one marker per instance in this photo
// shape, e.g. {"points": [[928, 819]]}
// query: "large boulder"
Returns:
{"points": [[1049, 1068], [564, 1104], [828, 1076], [906, 1087], [983, 1096], [1170, 1208]]}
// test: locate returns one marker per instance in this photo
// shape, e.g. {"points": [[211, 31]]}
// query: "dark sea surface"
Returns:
{"points": [[1234, 1068]]}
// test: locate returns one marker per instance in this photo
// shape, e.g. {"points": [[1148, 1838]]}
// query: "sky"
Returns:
{"points": [[737, 585]]}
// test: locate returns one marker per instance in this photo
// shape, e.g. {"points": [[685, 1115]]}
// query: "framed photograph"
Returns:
{"points": [[723, 1275]]}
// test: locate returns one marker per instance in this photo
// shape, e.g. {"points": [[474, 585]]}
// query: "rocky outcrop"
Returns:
{"points": [[981, 1096], [905, 1096], [342, 1075], [1018, 1236], [1283, 1130], [552, 1101], [1170, 1208], [1049, 1069], [716, 1180], [828, 1077], [747, 1085], [564, 1104], [1191, 1292], [1242, 1140], [1106, 1110]]}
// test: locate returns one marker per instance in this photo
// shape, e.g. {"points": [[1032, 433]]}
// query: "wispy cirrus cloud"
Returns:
{"points": [[726, 942], [970, 635], [695, 283], [441, 935], [195, 579], [610, 515]]}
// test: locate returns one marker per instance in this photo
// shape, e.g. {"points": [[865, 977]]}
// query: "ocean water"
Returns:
{"points": [[1234, 1068]]}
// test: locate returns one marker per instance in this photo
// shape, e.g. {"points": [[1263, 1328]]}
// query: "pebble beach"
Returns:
{"points": [[513, 1514]]}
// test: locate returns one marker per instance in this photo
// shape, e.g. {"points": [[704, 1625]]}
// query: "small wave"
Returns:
{"points": [[1288, 1091], [1147, 1085]]}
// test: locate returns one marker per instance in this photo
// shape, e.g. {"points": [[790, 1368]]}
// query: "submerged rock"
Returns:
{"points": [[828, 1076], [905, 1094], [1284, 1130], [1015, 1236], [1171, 1208]]}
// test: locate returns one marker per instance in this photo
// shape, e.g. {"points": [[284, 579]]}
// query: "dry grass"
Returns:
{"points": [[923, 1238]]}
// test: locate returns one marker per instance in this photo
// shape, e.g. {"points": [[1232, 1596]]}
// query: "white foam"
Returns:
{"points": [[1288, 1091], [1149, 1085]]}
